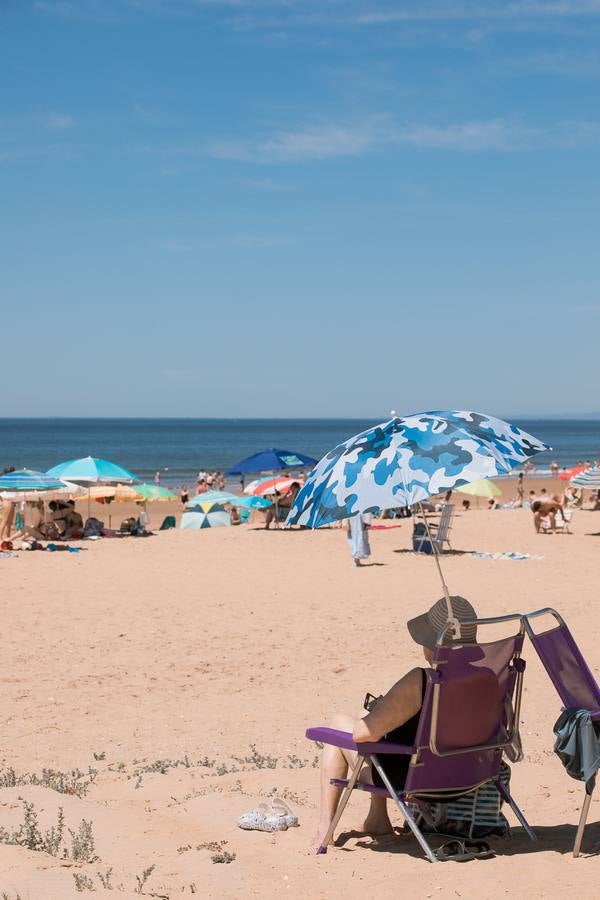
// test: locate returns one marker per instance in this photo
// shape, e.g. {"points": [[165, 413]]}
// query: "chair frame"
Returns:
{"points": [[372, 752], [595, 713]]}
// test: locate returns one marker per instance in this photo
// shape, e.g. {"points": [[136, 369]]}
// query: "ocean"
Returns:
{"points": [[179, 448]]}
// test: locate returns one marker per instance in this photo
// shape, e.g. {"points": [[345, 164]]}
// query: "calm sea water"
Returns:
{"points": [[180, 447]]}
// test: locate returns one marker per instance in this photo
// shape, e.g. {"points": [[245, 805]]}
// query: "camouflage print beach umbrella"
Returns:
{"points": [[402, 462]]}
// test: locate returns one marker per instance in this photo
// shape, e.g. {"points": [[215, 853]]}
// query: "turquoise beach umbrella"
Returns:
{"points": [[89, 470], [251, 502], [210, 497]]}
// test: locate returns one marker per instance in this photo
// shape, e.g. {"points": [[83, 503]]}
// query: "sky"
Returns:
{"points": [[299, 207]]}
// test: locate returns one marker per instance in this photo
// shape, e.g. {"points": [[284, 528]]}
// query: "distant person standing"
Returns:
{"points": [[554, 468], [157, 478], [358, 537], [184, 494], [520, 488]]}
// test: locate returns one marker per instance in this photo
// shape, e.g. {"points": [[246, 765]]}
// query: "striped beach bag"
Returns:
{"points": [[476, 815]]}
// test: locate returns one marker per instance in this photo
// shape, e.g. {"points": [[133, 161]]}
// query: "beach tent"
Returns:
{"points": [[272, 460], [214, 517]]}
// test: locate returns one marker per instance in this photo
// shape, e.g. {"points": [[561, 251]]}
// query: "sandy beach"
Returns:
{"points": [[183, 670]]}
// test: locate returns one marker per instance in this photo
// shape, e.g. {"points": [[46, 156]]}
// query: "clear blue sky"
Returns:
{"points": [[241, 208]]}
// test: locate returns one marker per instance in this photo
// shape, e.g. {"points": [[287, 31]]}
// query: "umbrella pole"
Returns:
{"points": [[437, 562]]}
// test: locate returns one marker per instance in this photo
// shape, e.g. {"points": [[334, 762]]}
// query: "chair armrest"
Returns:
{"points": [[345, 740]]}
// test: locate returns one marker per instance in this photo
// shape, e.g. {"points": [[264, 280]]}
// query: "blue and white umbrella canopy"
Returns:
{"points": [[406, 460], [589, 479], [28, 480], [89, 470]]}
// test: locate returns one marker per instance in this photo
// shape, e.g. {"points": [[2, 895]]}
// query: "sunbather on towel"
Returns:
{"points": [[394, 717]]}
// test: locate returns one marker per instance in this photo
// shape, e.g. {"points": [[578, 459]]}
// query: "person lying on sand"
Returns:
{"points": [[547, 508], [393, 717]]}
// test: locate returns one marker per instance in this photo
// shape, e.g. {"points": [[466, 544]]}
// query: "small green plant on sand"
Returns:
{"points": [[143, 878], [105, 879], [30, 835], [82, 843], [82, 882], [75, 782]]}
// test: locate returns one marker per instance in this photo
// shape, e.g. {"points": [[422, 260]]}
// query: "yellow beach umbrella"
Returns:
{"points": [[482, 488]]}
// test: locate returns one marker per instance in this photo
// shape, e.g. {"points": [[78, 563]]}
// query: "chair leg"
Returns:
{"points": [[342, 804], [408, 816], [506, 795], [582, 821]]}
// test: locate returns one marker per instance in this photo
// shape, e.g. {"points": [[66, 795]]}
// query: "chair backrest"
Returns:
{"points": [[463, 725], [445, 522], [564, 663]]}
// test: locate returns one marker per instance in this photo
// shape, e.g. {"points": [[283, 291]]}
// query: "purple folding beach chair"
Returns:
{"points": [[461, 734], [573, 680]]}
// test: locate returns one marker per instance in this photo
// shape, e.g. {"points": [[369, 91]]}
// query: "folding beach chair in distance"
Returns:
{"points": [[572, 678], [439, 532], [461, 732]]}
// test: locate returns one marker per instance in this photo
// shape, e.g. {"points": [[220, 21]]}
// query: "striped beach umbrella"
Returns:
{"points": [[271, 485], [28, 480], [589, 479]]}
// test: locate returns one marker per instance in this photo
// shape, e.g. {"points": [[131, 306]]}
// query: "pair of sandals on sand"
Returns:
{"points": [[275, 815], [463, 850]]}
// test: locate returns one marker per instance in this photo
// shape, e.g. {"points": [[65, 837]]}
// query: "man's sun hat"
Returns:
{"points": [[425, 628]]}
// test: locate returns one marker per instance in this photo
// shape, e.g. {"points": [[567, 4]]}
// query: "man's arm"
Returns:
{"points": [[400, 704]]}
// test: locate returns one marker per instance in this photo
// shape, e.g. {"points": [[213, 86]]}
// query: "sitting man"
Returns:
{"points": [[547, 508], [394, 717]]}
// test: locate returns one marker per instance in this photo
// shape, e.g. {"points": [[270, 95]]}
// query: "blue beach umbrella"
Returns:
{"points": [[402, 462], [89, 470], [272, 460]]}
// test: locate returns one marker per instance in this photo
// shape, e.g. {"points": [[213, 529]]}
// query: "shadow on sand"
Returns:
{"points": [[550, 838]]}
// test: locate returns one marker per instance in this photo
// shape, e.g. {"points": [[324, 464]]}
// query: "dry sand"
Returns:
{"points": [[185, 667]]}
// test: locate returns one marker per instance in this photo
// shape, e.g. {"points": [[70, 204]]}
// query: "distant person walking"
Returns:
{"points": [[358, 537]]}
